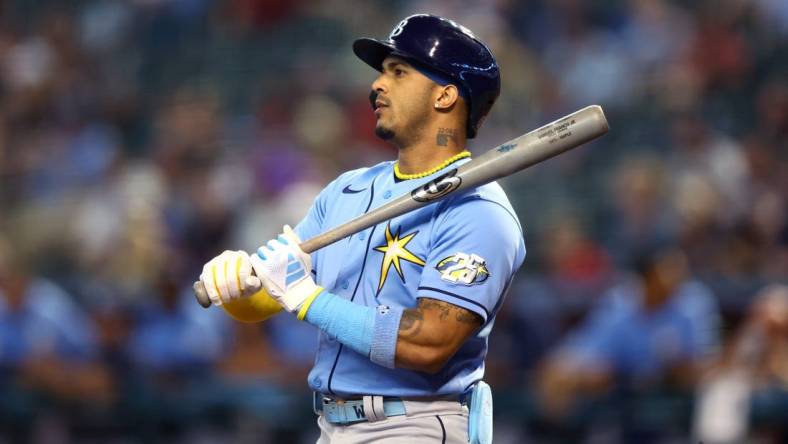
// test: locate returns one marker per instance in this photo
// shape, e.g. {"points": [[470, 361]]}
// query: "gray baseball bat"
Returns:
{"points": [[517, 154]]}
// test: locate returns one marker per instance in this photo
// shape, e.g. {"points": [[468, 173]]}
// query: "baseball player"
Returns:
{"points": [[404, 308]]}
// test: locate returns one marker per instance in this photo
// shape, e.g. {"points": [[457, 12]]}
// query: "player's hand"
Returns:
{"points": [[228, 277], [285, 270]]}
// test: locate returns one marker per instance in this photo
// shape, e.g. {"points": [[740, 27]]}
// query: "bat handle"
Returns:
{"points": [[201, 294], [307, 247]]}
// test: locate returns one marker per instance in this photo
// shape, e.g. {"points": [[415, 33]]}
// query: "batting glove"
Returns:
{"points": [[228, 277], [286, 271]]}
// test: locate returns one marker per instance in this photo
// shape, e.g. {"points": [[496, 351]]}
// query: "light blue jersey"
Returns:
{"points": [[463, 250]]}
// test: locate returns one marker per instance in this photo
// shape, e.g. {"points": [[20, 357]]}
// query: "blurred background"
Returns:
{"points": [[139, 138]]}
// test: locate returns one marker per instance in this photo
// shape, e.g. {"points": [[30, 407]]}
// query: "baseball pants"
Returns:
{"points": [[424, 422]]}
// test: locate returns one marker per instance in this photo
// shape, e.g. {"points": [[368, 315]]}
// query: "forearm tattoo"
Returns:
{"points": [[440, 307], [445, 135], [413, 318], [447, 310], [411, 322], [466, 317]]}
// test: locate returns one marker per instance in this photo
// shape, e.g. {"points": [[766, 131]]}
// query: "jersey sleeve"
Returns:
{"points": [[312, 223], [475, 248]]}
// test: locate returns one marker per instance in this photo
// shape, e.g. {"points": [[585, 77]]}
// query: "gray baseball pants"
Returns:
{"points": [[443, 422]]}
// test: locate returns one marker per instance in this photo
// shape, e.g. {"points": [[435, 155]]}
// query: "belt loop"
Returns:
{"points": [[377, 407], [317, 402], [369, 410]]}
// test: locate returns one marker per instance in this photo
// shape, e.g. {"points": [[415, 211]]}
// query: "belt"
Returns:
{"points": [[368, 408]]}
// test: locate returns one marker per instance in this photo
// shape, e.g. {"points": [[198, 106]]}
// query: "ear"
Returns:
{"points": [[447, 97]]}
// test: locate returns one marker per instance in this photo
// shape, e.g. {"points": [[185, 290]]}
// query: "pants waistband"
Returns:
{"points": [[368, 408], [372, 408]]}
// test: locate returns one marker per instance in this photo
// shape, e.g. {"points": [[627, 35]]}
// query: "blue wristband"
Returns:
{"points": [[384, 335], [371, 331]]}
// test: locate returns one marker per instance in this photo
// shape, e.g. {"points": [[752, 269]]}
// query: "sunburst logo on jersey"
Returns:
{"points": [[394, 251]]}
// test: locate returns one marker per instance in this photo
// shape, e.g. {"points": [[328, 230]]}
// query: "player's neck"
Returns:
{"points": [[438, 145]]}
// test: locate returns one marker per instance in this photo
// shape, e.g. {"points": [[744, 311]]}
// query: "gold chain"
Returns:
{"points": [[448, 161]]}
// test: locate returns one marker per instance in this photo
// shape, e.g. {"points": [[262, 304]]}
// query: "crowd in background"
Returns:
{"points": [[140, 138]]}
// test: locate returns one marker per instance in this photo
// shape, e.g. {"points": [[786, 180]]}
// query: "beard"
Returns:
{"points": [[406, 123], [384, 133]]}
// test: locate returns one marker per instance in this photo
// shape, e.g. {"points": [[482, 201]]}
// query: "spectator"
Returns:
{"points": [[656, 329], [747, 387], [171, 336], [173, 358], [48, 346], [120, 121]]}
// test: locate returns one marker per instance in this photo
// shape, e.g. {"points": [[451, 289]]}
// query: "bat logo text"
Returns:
{"points": [[438, 187]]}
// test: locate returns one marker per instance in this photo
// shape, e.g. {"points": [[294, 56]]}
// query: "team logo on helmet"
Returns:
{"points": [[463, 268], [438, 187], [398, 30]]}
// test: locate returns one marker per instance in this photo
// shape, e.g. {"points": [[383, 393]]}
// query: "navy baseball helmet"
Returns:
{"points": [[447, 48]]}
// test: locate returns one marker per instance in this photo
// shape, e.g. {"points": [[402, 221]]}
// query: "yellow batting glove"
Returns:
{"points": [[256, 308], [228, 277]]}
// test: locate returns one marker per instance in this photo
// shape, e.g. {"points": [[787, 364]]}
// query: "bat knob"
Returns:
{"points": [[201, 295]]}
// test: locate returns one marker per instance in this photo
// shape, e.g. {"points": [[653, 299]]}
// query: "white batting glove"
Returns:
{"points": [[228, 277], [285, 271]]}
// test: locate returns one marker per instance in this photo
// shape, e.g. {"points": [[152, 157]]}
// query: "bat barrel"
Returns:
{"points": [[529, 149], [534, 147]]}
